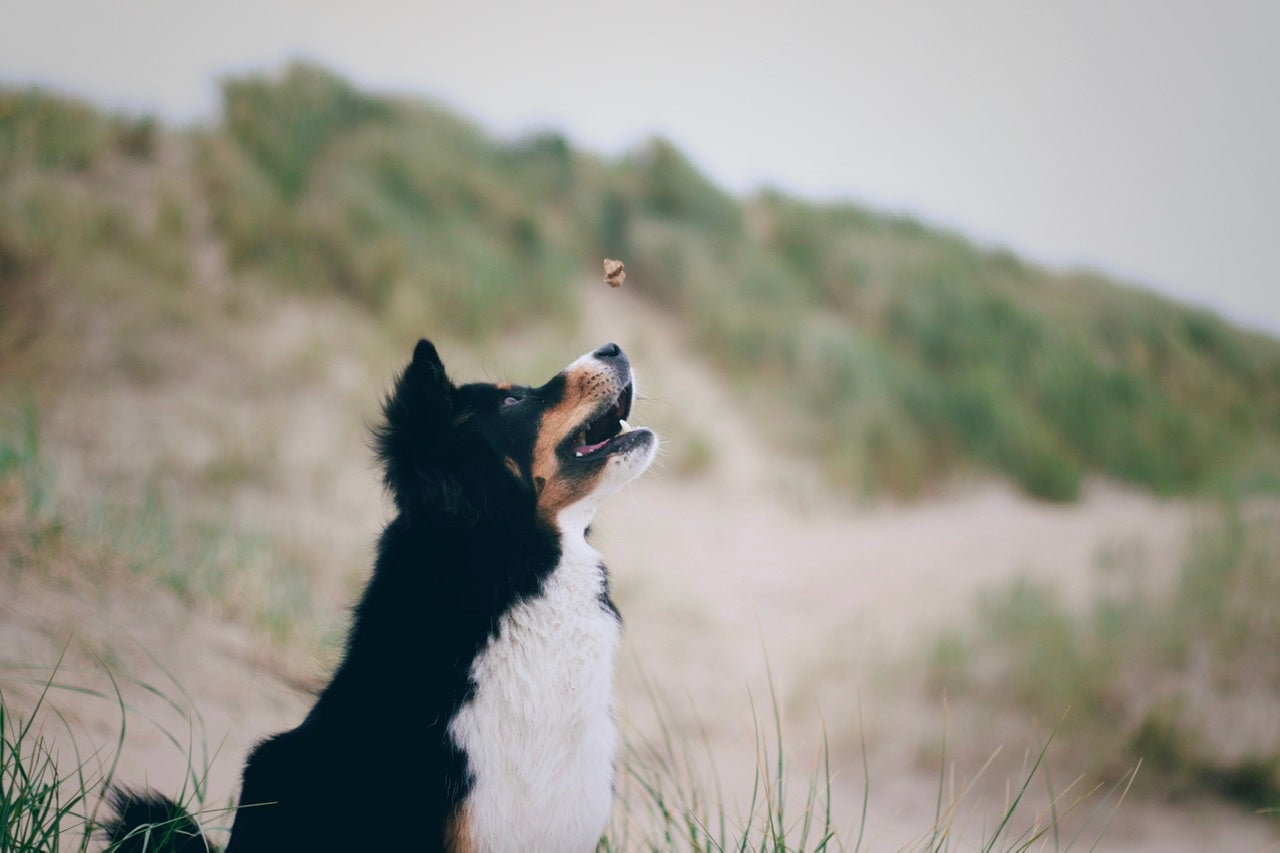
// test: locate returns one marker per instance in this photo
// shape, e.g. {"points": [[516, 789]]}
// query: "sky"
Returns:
{"points": [[1135, 137]]}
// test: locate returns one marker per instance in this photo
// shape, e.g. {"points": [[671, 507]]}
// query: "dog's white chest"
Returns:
{"points": [[539, 733]]}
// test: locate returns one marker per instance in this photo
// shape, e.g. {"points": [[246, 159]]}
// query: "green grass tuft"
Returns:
{"points": [[1161, 675], [53, 789]]}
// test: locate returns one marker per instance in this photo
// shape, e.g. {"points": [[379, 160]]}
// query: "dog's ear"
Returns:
{"points": [[425, 358], [416, 430], [425, 380]]}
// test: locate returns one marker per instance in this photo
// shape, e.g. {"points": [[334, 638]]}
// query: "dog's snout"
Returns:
{"points": [[609, 350], [611, 356]]}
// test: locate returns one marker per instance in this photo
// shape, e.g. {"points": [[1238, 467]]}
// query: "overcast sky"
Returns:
{"points": [[1139, 138]]}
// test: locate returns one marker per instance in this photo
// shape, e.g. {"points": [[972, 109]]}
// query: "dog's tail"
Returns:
{"points": [[147, 822]]}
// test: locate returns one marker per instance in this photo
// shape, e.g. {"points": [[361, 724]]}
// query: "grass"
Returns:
{"points": [[670, 797], [38, 806], [947, 810], [209, 563], [1164, 674], [960, 358], [665, 799], [49, 803], [320, 187], [912, 356], [23, 464]]}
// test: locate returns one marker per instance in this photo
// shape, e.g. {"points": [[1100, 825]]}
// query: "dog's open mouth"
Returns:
{"points": [[607, 430]]}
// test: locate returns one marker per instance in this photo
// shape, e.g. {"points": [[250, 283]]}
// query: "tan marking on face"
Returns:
{"points": [[457, 834], [504, 386], [585, 387]]}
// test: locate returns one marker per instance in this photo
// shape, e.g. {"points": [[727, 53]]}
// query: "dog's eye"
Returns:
{"points": [[510, 401]]}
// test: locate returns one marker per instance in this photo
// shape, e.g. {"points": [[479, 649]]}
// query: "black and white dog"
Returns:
{"points": [[473, 708]]}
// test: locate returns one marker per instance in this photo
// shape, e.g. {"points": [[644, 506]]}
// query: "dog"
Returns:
{"points": [[473, 709]]}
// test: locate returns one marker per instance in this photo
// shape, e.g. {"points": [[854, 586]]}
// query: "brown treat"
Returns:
{"points": [[615, 273]]}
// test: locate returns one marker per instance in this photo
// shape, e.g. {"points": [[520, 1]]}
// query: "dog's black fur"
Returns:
{"points": [[372, 765]]}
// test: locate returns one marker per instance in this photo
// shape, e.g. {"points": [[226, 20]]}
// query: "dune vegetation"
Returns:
{"points": [[898, 358], [911, 355]]}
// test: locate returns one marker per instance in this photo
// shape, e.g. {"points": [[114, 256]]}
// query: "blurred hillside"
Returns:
{"points": [[897, 356], [196, 325]]}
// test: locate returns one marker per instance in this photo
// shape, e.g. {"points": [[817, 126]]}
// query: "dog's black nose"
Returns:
{"points": [[609, 350]]}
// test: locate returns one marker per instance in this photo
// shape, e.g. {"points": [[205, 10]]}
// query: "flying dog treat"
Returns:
{"points": [[615, 273]]}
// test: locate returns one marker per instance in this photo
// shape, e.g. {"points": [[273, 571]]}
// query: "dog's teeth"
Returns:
{"points": [[623, 426]]}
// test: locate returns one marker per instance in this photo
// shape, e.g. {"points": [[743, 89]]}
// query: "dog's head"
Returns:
{"points": [[560, 447]]}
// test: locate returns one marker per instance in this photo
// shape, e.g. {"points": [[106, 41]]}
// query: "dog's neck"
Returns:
{"points": [[573, 522]]}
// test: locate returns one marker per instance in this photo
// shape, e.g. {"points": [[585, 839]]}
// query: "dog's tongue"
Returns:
{"points": [[584, 449]]}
